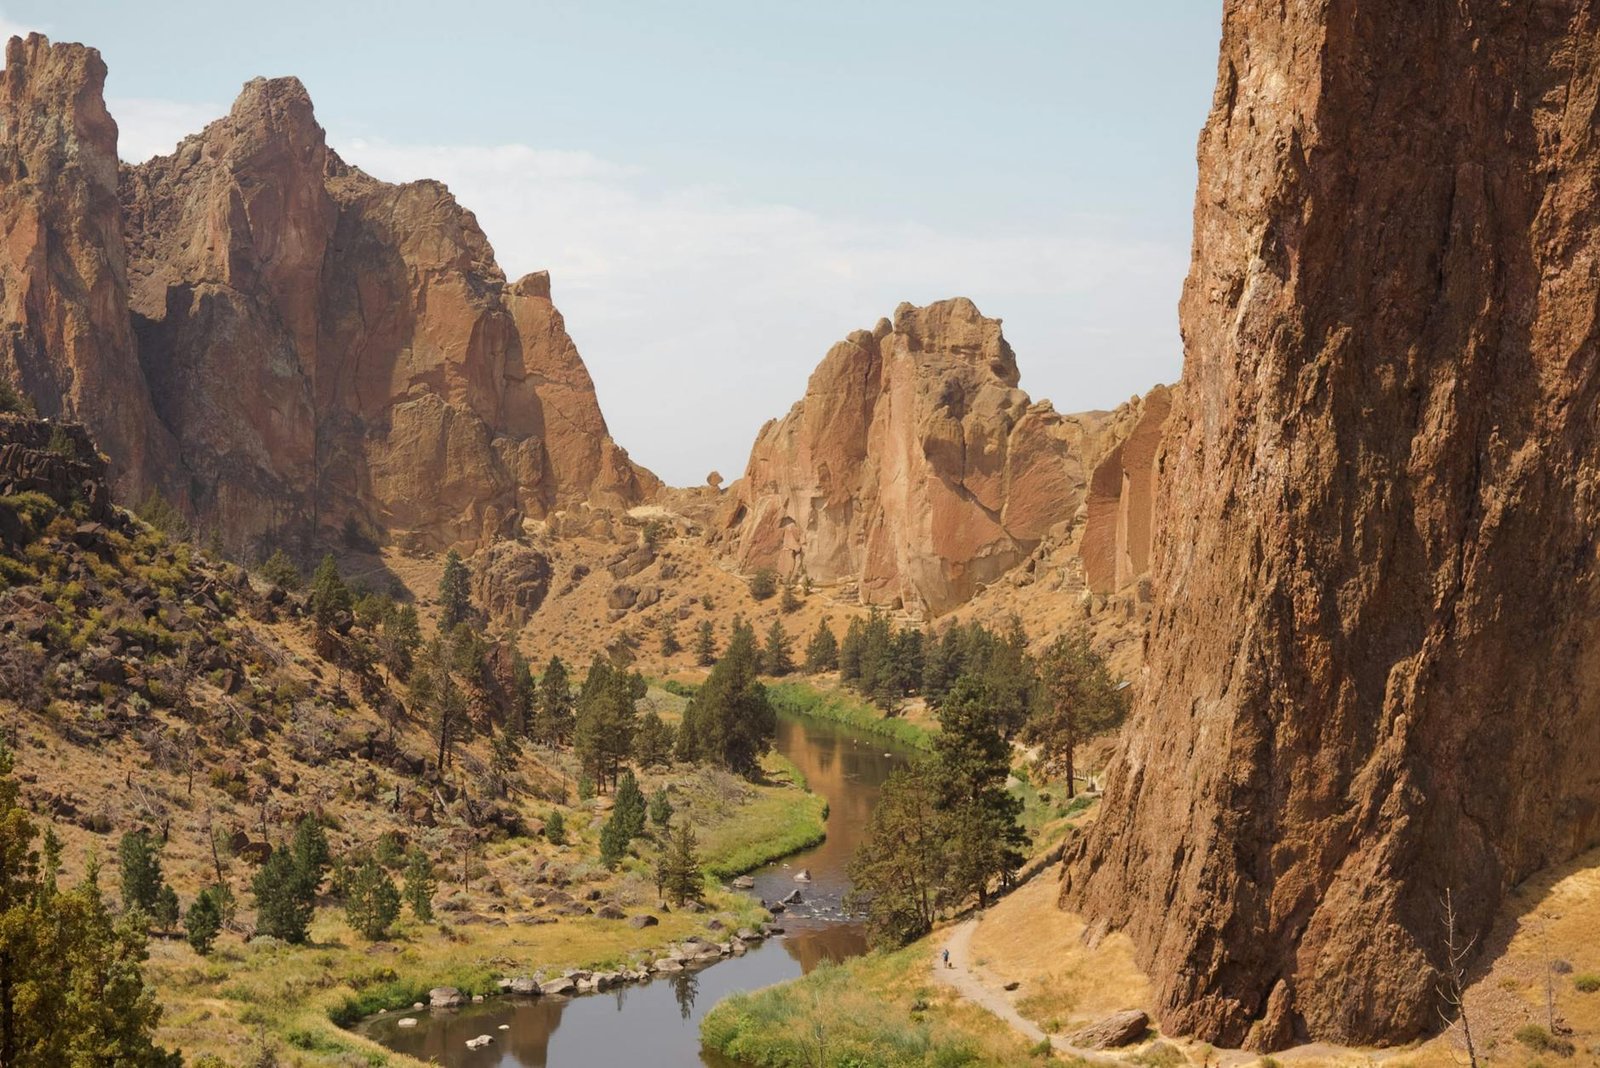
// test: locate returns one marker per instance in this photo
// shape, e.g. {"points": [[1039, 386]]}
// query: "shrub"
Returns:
{"points": [[763, 584], [1538, 1039], [1587, 983]]}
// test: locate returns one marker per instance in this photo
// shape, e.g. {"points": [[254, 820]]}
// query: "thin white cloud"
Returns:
{"points": [[149, 127], [701, 315]]}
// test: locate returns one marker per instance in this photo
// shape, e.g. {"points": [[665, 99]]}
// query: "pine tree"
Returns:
{"points": [[454, 592], [705, 644], [400, 639], [788, 603], [897, 874], [1081, 698], [312, 857], [553, 723], [420, 884], [372, 903], [670, 645], [628, 809], [72, 990], [166, 911], [678, 871], [850, 652], [776, 658], [660, 808], [330, 597], [822, 653], [203, 922], [140, 862], [555, 829], [606, 721], [730, 720], [279, 570], [283, 907], [652, 744], [974, 761]]}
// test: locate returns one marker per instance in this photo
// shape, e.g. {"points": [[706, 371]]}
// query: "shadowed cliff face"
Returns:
{"points": [[64, 331], [913, 466], [1370, 678], [281, 341]]}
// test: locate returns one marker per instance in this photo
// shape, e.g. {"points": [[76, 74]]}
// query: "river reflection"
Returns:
{"points": [[658, 1023]]}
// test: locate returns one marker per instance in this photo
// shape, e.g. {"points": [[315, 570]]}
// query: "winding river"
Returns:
{"points": [[658, 1022]]}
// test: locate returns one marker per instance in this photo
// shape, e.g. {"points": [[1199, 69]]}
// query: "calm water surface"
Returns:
{"points": [[658, 1023]]}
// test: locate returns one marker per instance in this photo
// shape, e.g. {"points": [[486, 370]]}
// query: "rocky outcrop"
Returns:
{"points": [[510, 581], [1119, 526], [913, 466], [1370, 681], [64, 329], [287, 344], [393, 374]]}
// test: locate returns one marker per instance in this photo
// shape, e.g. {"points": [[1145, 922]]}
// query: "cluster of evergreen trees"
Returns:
{"points": [[71, 987], [946, 829]]}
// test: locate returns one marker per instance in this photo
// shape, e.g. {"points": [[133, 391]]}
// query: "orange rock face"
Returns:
{"points": [[1370, 671], [913, 466], [285, 342], [1118, 530], [396, 376], [63, 282]]}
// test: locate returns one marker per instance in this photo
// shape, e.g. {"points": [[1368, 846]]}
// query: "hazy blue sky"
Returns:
{"points": [[722, 189]]}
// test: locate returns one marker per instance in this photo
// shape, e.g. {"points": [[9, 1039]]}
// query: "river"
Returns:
{"points": [[658, 1022]]}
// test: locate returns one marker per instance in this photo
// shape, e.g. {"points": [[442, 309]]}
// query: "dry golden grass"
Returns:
{"points": [[1027, 939]]}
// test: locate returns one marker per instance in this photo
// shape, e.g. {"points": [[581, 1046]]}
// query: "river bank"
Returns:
{"points": [[660, 1025], [527, 906]]}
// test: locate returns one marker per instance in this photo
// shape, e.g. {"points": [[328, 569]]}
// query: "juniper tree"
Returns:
{"points": [[283, 907], [652, 745], [822, 652], [420, 884], [372, 903], [454, 593], [553, 721], [1080, 699], [203, 922], [329, 595], [705, 644], [139, 861], [776, 658], [730, 720], [660, 808], [982, 831], [678, 871]]}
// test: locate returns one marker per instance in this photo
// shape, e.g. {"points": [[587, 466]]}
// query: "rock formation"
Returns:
{"points": [[289, 344], [1369, 676], [64, 329], [1119, 525], [913, 466]]}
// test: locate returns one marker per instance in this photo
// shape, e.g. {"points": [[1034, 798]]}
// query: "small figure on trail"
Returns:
{"points": [[947, 957]]}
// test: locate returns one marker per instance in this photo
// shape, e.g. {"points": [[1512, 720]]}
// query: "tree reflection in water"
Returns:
{"points": [[684, 988]]}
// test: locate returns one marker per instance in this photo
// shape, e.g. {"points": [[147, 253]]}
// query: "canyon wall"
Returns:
{"points": [[65, 337], [1369, 673], [283, 343], [913, 467]]}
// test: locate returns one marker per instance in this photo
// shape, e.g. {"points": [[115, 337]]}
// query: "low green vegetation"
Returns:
{"points": [[802, 699], [881, 1009], [768, 827]]}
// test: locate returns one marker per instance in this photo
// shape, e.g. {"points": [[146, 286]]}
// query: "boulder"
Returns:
{"points": [[1119, 1029], [446, 997], [642, 921]]}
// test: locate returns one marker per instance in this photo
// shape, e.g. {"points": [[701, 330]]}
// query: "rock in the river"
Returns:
{"points": [[446, 997]]}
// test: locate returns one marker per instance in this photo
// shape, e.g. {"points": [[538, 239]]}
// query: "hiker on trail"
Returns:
{"points": [[947, 957]]}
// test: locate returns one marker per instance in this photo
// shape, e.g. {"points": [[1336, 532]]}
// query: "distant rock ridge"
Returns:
{"points": [[281, 342], [913, 467], [1370, 675]]}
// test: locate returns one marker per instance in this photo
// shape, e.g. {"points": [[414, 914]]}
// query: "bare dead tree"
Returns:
{"points": [[1452, 980]]}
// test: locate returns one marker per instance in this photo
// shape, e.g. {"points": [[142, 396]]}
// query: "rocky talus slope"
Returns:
{"points": [[913, 468], [1369, 672], [282, 343]]}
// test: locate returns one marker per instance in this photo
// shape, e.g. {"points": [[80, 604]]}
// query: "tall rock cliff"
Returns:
{"points": [[64, 329], [281, 341], [392, 373], [1370, 674], [1119, 527], [913, 466]]}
